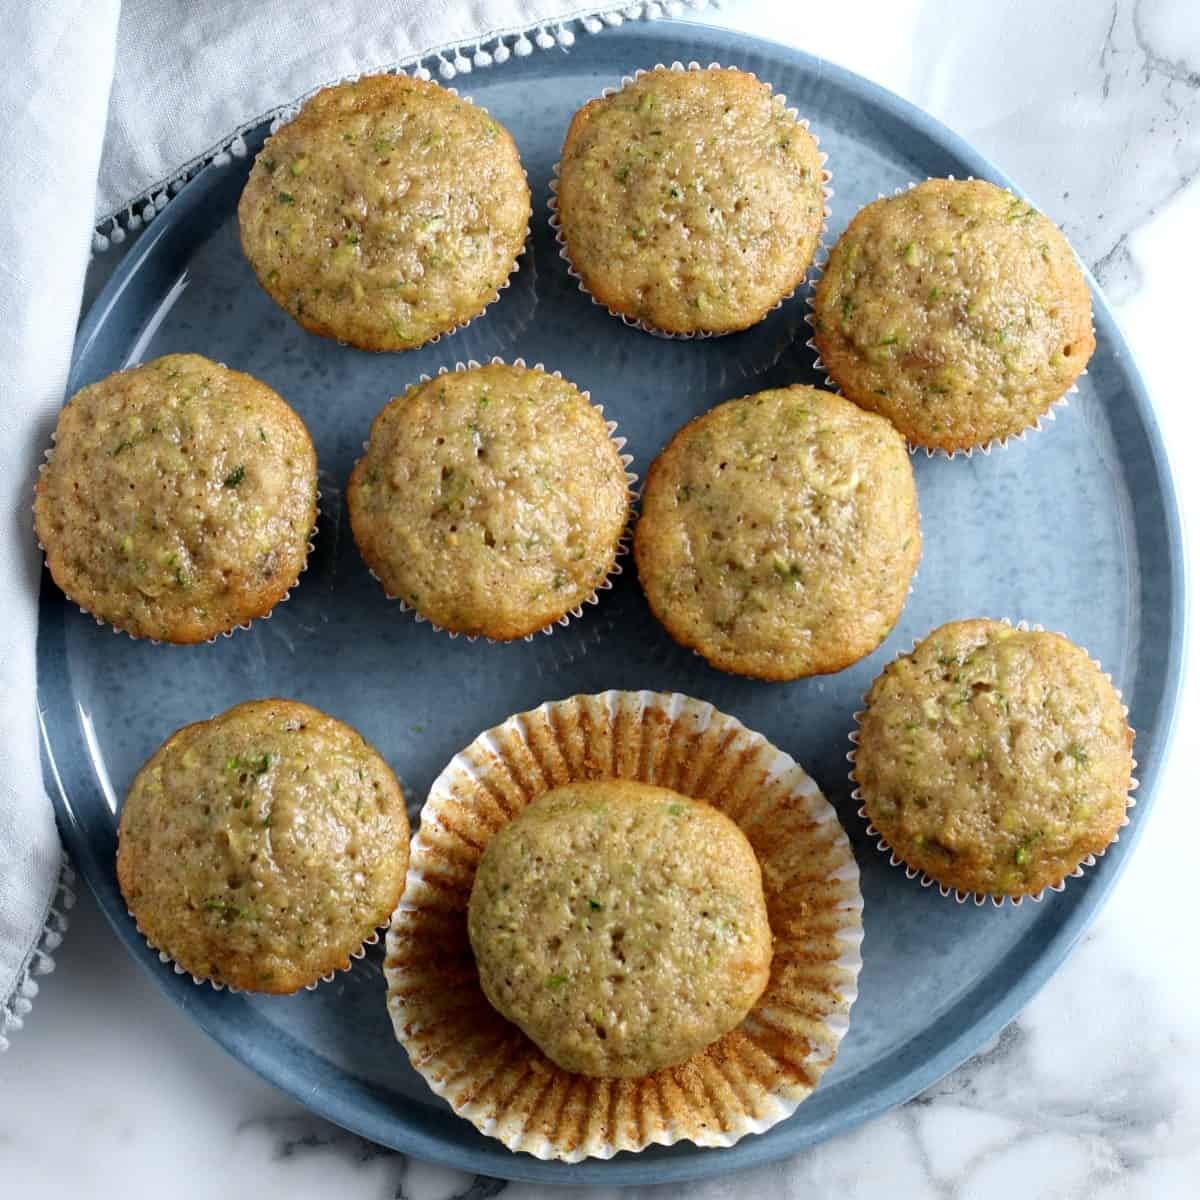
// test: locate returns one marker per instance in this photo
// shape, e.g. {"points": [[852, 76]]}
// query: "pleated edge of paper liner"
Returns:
{"points": [[372, 939], [981, 898], [624, 542], [820, 251], [753, 760], [48, 454], [985, 448]]}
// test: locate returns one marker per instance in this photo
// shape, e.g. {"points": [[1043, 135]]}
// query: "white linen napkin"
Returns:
{"points": [[53, 94], [106, 108]]}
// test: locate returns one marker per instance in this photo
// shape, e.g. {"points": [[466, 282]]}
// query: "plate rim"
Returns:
{"points": [[689, 1162]]}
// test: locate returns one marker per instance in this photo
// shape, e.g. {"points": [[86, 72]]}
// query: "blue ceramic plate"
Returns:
{"points": [[1075, 528]]}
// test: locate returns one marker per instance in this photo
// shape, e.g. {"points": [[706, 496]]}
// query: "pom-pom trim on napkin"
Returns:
{"points": [[16, 1007], [446, 62]]}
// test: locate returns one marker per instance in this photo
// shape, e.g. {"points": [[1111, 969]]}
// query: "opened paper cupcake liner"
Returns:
{"points": [[617, 567], [747, 1081], [980, 898], [821, 260], [644, 326]]}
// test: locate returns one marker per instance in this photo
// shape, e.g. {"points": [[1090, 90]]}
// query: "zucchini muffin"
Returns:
{"points": [[955, 309], [179, 499], [263, 848], [995, 760], [491, 500], [388, 212], [621, 926], [637, 936], [779, 533], [691, 201]]}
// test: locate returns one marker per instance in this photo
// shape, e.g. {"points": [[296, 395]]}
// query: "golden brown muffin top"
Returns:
{"points": [[622, 926], [387, 212], [179, 499], [994, 759], [260, 849], [779, 533], [691, 200], [491, 500], [956, 310]]}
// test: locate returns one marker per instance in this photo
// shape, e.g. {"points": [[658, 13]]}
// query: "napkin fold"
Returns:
{"points": [[106, 109], [53, 97]]}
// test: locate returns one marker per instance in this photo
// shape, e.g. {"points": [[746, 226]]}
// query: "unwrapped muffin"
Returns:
{"points": [[388, 212], [492, 500], [579, 864], [955, 309], [690, 201], [994, 760], [263, 848], [779, 533], [622, 926], [178, 500]]}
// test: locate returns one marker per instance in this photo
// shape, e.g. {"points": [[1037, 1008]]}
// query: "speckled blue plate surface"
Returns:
{"points": [[1075, 528]]}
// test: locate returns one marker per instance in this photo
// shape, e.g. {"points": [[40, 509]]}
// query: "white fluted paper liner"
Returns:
{"points": [[810, 317], [48, 454], [634, 322], [285, 117], [622, 544], [200, 980], [980, 898], [746, 1082]]}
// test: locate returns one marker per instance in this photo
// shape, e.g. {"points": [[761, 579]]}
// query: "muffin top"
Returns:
{"points": [[779, 533], [179, 499], [260, 849], [621, 926], [387, 212], [691, 200], [955, 309], [994, 759], [491, 500]]}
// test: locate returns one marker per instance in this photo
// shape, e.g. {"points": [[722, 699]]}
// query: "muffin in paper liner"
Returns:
{"points": [[48, 454], [683, 585], [343, 961], [422, 75], [980, 898], [748, 1080], [623, 542], [634, 322], [821, 258]]}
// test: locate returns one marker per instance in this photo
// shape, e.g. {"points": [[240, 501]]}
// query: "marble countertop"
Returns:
{"points": [[1094, 1091]]}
